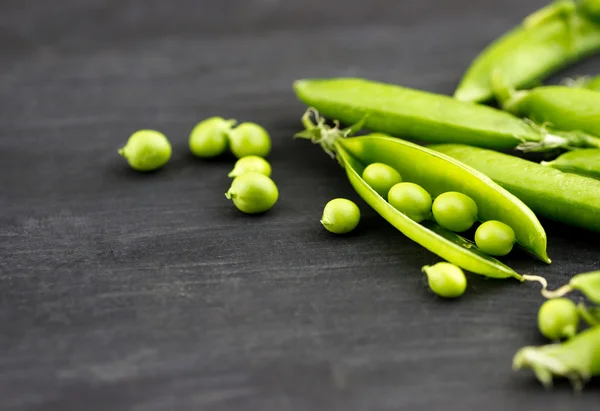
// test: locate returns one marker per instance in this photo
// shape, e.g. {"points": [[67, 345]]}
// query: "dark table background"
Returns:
{"points": [[122, 291]]}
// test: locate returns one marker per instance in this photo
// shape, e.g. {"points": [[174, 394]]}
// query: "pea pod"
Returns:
{"points": [[562, 107], [549, 39], [550, 193], [434, 118], [577, 359], [436, 173], [583, 162], [587, 283], [591, 315]]}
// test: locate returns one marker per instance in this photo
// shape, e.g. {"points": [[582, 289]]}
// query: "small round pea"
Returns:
{"points": [[454, 211], [558, 318], [495, 238], [251, 163], [381, 177], [147, 150], [209, 137], [249, 139], [446, 280], [340, 216], [253, 193], [410, 199]]}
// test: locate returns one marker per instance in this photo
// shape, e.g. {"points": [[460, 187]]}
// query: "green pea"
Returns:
{"points": [[381, 178], [249, 139], [251, 163], [209, 137], [410, 199], [253, 193], [147, 150], [340, 216], [495, 238], [558, 319], [454, 211], [446, 280]]}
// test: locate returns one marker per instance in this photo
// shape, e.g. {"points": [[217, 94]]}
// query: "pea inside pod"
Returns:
{"points": [[584, 162], [568, 198], [436, 174], [549, 39]]}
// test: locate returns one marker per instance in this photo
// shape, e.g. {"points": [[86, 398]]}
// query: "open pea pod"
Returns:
{"points": [[436, 173]]}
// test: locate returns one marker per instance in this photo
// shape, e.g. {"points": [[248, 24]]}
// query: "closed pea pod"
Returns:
{"points": [[550, 193], [414, 114], [562, 107], [546, 41], [584, 162], [587, 283], [436, 174], [577, 359]]}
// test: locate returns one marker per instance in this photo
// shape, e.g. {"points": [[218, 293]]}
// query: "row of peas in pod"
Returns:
{"points": [[252, 190]]}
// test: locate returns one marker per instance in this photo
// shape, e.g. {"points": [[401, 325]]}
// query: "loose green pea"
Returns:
{"points": [[251, 163], [147, 150], [253, 193], [558, 318], [340, 216], [446, 280], [495, 238], [454, 211], [249, 139], [209, 137], [381, 178], [410, 199]]}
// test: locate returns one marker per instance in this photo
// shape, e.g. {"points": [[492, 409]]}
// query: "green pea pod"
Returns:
{"points": [[583, 162], [591, 315], [434, 118], [546, 41], [550, 193], [577, 359], [587, 283], [562, 107], [436, 173]]}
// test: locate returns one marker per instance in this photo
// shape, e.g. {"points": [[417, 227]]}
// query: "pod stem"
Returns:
{"points": [[322, 133], [565, 289], [537, 279]]}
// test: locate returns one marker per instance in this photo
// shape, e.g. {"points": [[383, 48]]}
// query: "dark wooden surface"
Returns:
{"points": [[121, 291]]}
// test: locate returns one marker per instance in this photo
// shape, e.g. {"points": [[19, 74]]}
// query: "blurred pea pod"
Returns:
{"points": [[547, 40]]}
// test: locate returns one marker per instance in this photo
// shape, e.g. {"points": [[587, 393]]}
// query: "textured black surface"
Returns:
{"points": [[121, 291]]}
